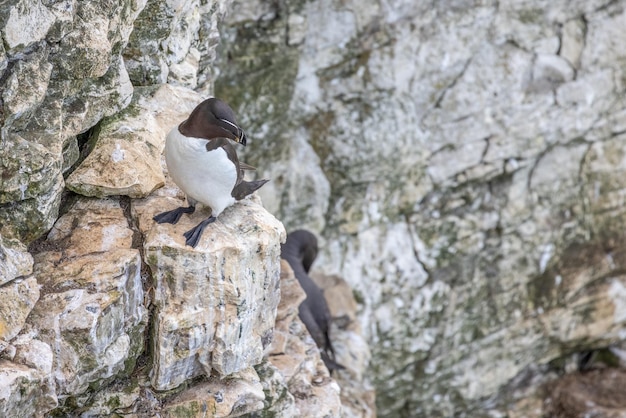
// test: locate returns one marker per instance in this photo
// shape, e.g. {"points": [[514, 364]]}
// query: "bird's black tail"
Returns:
{"points": [[246, 188], [330, 362]]}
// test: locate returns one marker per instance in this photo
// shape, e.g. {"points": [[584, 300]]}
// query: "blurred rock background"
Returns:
{"points": [[462, 162]]}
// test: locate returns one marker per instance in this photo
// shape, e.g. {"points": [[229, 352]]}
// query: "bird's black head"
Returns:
{"points": [[224, 116], [301, 245]]}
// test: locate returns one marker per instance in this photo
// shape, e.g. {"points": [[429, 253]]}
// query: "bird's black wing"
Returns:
{"points": [[225, 144]]}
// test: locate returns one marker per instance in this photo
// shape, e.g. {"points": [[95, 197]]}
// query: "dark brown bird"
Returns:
{"points": [[300, 250], [203, 163]]}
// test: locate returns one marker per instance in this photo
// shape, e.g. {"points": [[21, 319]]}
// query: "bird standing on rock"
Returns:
{"points": [[203, 163], [300, 250]]}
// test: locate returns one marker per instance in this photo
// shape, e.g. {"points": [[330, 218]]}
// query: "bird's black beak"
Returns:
{"points": [[243, 139], [240, 135]]}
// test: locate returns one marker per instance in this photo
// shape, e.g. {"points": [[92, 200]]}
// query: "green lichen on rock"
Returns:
{"points": [[257, 78]]}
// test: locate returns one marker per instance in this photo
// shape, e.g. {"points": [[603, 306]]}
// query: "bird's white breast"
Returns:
{"points": [[205, 176]]}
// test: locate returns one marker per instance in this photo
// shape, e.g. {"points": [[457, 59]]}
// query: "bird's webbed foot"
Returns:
{"points": [[172, 216], [193, 235]]}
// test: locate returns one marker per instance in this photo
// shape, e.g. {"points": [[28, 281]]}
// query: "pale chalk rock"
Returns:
{"points": [[33, 392], [61, 73], [358, 397], [232, 396], [175, 42], [27, 85], [278, 401], [91, 311], [573, 41], [126, 158], [33, 216], [124, 397], [28, 22], [299, 383], [214, 305], [23, 391], [18, 299], [15, 261], [467, 148]]}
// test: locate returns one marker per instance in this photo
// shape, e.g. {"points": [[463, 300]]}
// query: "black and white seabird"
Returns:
{"points": [[203, 163], [300, 250]]}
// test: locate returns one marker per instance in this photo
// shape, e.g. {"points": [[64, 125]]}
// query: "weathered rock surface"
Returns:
{"points": [[464, 162], [214, 305], [15, 261], [24, 390], [127, 155], [72, 326], [61, 73], [18, 299], [232, 396], [358, 397], [296, 381], [175, 42], [91, 310], [472, 152]]}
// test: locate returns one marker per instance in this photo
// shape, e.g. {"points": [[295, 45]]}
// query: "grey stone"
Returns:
{"points": [[471, 150], [18, 299], [175, 42], [23, 391], [126, 158], [62, 72], [215, 304], [91, 310], [15, 261]]}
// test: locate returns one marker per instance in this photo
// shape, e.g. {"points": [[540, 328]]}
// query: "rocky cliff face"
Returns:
{"points": [[101, 310], [462, 161]]}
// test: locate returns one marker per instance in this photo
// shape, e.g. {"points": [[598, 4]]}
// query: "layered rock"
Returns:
{"points": [[87, 325], [471, 152], [214, 305], [72, 326], [61, 73], [15, 261], [175, 43], [296, 382], [358, 397], [126, 159], [92, 310], [463, 162]]}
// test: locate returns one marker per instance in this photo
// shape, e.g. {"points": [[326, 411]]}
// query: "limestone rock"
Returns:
{"points": [[278, 401], [29, 218], [351, 349], [23, 391], [61, 73], [302, 385], [27, 84], [15, 261], [232, 396], [27, 375], [18, 299], [27, 24], [124, 397], [174, 41], [573, 41], [91, 309], [127, 154], [469, 150], [214, 305]]}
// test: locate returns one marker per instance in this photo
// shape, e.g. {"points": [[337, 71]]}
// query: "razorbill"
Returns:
{"points": [[300, 250], [203, 162]]}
